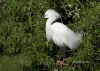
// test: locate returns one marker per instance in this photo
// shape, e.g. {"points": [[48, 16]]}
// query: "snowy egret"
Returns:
{"points": [[61, 35]]}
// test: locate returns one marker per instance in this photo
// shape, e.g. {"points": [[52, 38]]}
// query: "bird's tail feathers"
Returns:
{"points": [[76, 40]]}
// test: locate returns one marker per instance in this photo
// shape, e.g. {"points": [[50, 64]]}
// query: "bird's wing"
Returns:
{"points": [[66, 35]]}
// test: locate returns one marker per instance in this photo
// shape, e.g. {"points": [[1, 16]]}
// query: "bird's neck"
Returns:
{"points": [[50, 22]]}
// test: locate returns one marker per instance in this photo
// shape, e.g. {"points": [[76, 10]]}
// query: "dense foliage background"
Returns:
{"points": [[23, 44]]}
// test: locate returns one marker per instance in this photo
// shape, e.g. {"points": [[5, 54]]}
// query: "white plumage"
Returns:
{"points": [[60, 33]]}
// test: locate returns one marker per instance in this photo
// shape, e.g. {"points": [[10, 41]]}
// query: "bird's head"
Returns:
{"points": [[52, 14]]}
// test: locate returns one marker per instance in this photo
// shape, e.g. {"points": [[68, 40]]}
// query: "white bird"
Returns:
{"points": [[60, 33]]}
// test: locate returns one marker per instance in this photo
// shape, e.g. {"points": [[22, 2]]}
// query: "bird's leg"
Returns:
{"points": [[62, 56], [64, 52]]}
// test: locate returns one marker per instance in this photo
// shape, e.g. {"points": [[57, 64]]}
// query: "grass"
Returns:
{"points": [[23, 45]]}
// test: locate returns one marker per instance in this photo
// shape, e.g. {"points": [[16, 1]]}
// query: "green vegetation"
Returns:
{"points": [[23, 44]]}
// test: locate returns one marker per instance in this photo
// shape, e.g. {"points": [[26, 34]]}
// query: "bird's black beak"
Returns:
{"points": [[41, 17]]}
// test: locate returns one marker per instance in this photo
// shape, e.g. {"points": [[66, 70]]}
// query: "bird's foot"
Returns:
{"points": [[61, 63]]}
